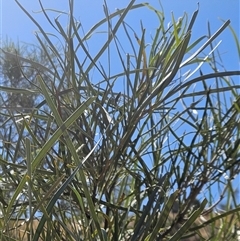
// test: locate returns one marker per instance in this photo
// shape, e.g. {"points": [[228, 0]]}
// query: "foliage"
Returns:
{"points": [[114, 153]]}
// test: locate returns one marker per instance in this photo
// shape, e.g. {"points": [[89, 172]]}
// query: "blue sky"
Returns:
{"points": [[16, 26]]}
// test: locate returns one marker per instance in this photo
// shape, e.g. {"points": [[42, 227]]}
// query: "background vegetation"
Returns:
{"points": [[130, 154]]}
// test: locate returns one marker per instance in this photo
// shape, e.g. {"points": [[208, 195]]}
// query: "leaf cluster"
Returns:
{"points": [[124, 155]]}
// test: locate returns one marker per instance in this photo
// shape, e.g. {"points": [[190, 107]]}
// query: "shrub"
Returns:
{"points": [[116, 153]]}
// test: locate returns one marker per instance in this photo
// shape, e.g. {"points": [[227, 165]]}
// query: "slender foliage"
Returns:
{"points": [[119, 154]]}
